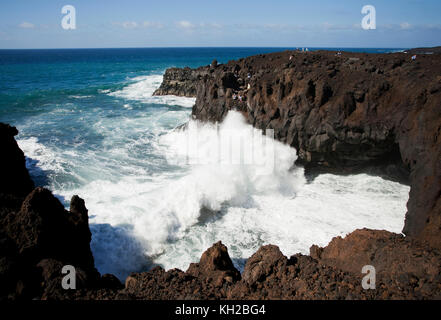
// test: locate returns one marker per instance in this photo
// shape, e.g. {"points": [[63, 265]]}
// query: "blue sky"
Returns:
{"points": [[177, 23]]}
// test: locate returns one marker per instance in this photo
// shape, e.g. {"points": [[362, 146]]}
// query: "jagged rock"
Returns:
{"points": [[393, 256], [37, 235], [109, 281], [211, 278], [172, 285], [15, 181], [47, 237], [215, 265], [266, 261], [44, 229], [79, 217], [181, 82]]}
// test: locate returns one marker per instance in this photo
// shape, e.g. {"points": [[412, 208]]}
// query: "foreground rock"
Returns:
{"points": [[413, 273], [344, 113], [211, 278], [15, 183], [37, 235]]}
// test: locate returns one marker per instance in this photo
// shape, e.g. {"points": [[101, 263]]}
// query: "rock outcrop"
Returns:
{"points": [[348, 112], [330, 273], [400, 263], [211, 278], [181, 82], [432, 50], [37, 235], [15, 182]]}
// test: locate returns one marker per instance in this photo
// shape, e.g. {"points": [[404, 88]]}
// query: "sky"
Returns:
{"points": [[227, 23]]}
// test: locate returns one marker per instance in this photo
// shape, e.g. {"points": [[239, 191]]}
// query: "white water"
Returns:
{"points": [[142, 89], [145, 209]]}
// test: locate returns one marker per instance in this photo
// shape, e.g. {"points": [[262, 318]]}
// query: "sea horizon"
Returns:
{"points": [[213, 47]]}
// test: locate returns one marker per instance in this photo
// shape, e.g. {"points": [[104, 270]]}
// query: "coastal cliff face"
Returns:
{"points": [[181, 82], [343, 113]]}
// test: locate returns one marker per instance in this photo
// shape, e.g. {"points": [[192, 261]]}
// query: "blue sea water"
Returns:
{"points": [[89, 126]]}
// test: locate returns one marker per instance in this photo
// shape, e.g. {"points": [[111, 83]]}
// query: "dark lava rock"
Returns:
{"points": [[43, 228], [37, 235], [181, 82], [392, 255], [215, 265], [266, 261], [15, 180]]}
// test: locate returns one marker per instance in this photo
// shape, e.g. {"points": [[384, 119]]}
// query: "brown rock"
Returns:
{"points": [[266, 261], [216, 265]]}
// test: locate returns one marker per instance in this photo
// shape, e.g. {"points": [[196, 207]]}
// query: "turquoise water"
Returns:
{"points": [[89, 126]]}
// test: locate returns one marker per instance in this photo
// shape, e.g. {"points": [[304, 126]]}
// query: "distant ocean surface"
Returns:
{"points": [[89, 126]]}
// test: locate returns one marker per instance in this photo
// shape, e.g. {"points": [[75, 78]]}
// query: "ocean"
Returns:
{"points": [[90, 126]]}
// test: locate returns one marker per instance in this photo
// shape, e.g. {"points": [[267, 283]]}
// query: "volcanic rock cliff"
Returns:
{"points": [[343, 112]]}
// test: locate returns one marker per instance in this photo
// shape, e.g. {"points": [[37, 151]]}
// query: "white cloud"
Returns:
{"points": [[149, 24], [216, 25], [209, 25], [26, 25], [126, 24], [129, 24], [405, 25], [136, 25], [340, 27], [185, 24]]}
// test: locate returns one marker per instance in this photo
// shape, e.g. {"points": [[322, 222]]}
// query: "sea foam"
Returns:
{"points": [[142, 88]]}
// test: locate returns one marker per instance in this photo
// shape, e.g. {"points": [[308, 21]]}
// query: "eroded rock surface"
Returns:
{"points": [[181, 82]]}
